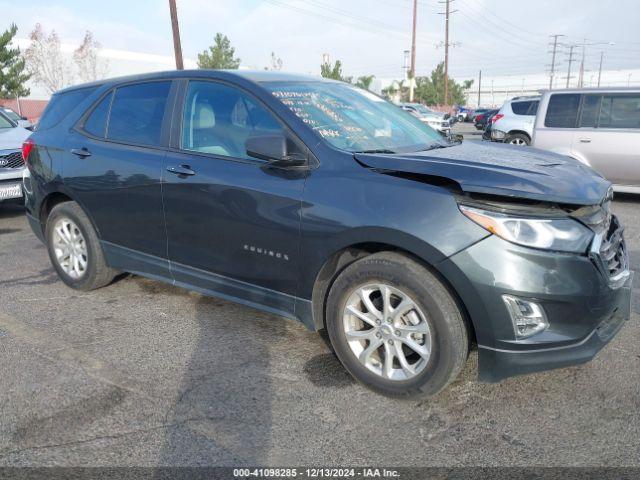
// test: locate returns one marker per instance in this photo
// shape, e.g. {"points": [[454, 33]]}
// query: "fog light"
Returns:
{"points": [[528, 317]]}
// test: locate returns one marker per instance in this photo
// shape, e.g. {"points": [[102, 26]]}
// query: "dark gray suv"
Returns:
{"points": [[321, 202]]}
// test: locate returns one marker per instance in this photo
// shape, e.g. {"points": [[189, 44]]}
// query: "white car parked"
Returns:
{"points": [[11, 163], [514, 122], [432, 118]]}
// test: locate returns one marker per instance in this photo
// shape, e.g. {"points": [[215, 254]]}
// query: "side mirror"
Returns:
{"points": [[267, 147], [276, 149]]}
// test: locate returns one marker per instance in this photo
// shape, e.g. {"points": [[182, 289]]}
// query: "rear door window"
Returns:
{"points": [[60, 105], [137, 112], [620, 111], [562, 111], [96, 122], [590, 110]]}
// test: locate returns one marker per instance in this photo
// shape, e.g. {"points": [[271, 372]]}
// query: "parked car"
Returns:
{"points": [[477, 112], [486, 134], [600, 127], [514, 122], [24, 122], [11, 163], [481, 120], [321, 202], [432, 118], [464, 114]]}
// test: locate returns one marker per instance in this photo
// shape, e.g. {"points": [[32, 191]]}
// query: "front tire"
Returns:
{"points": [[74, 248], [395, 326], [519, 139]]}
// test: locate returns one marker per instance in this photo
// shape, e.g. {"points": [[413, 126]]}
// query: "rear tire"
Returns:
{"points": [[519, 139], [74, 248], [415, 353]]}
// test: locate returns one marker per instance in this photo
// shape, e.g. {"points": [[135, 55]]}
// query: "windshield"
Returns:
{"points": [[353, 119], [11, 114], [4, 122], [424, 110]]}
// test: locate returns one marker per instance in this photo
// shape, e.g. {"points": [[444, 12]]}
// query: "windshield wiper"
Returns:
{"points": [[376, 150], [434, 146]]}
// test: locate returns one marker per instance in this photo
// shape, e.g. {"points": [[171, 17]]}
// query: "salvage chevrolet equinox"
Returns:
{"points": [[321, 202]]}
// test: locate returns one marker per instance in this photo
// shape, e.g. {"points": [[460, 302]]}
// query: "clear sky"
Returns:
{"points": [[369, 36]]}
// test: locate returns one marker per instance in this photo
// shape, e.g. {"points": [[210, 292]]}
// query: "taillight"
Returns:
{"points": [[496, 117], [27, 146]]}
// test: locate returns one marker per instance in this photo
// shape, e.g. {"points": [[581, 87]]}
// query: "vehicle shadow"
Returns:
{"points": [[222, 414], [11, 210], [626, 197]]}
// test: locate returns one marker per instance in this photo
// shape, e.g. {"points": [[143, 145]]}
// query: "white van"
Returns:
{"points": [[598, 126]]}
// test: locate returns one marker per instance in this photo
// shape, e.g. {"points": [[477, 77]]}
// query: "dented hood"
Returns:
{"points": [[499, 169]]}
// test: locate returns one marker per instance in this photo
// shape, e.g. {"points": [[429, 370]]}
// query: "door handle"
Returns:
{"points": [[81, 152], [585, 140], [181, 170]]}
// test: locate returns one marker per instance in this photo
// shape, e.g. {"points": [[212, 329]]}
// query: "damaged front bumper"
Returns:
{"points": [[584, 310]]}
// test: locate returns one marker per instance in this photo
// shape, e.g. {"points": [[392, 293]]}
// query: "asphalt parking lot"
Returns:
{"points": [[142, 373]]}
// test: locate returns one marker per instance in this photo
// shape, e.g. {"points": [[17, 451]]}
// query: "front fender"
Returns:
{"points": [[393, 212]]}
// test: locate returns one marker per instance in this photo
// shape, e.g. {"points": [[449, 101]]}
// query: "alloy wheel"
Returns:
{"points": [[70, 248], [517, 141], [387, 331]]}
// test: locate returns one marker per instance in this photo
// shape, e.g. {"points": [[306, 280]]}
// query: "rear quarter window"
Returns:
{"points": [[60, 105], [521, 108], [562, 111], [137, 112]]}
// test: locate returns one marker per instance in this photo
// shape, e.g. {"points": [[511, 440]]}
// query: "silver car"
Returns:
{"points": [[11, 163], [513, 124], [600, 127], [432, 118], [24, 122]]}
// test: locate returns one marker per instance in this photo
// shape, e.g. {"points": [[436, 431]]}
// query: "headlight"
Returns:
{"points": [[560, 234]]}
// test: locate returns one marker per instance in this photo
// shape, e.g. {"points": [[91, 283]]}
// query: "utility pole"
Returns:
{"points": [[479, 86], [600, 68], [177, 48], [571, 48], [581, 76], [553, 59], [412, 73], [447, 13], [446, 53]]}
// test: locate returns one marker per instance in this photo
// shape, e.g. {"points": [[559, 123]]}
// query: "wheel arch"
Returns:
{"points": [[345, 256], [55, 197], [521, 132]]}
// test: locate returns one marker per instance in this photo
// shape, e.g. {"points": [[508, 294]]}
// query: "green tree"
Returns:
{"points": [[365, 81], [220, 55], [430, 90], [12, 67], [334, 72]]}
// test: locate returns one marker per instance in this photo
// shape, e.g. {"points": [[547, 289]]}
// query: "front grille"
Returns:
{"points": [[613, 251], [11, 160]]}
